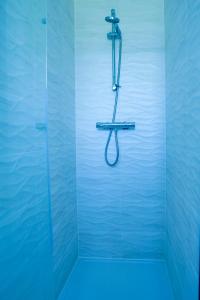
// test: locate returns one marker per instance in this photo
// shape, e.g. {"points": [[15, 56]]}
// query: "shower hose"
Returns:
{"points": [[116, 86]]}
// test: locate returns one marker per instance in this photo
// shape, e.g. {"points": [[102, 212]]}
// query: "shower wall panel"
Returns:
{"points": [[25, 251], [37, 92], [183, 147], [61, 136], [121, 210]]}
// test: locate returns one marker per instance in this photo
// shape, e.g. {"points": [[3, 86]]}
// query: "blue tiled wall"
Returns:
{"points": [[121, 209], [61, 133], [25, 251], [38, 233], [183, 135]]}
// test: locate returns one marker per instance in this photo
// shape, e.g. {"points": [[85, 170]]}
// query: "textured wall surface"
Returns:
{"points": [[25, 252], [183, 147], [36, 56], [120, 210], [61, 133]]}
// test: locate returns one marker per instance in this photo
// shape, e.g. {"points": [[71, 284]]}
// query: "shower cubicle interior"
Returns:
{"points": [[59, 200]]}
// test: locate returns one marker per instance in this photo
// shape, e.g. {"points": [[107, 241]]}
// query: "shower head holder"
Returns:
{"points": [[113, 35]]}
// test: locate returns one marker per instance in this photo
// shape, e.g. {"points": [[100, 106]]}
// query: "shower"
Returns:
{"points": [[115, 36], [99, 150]]}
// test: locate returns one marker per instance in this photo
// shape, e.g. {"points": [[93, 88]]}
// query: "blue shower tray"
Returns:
{"points": [[115, 125]]}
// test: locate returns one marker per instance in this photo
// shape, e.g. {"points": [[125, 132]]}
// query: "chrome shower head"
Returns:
{"points": [[112, 19]]}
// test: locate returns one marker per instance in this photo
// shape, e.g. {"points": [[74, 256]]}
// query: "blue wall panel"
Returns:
{"points": [[36, 182], [61, 136], [183, 135], [121, 210], [25, 251]]}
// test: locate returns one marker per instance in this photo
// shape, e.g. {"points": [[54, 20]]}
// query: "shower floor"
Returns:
{"points": [[101, 279]]}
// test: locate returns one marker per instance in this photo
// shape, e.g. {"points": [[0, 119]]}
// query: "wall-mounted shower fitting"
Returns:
{"points": [[115, 36]]}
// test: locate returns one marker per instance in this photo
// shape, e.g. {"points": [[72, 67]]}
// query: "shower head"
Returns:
{"points": [[112, 19], [116, 32]]}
